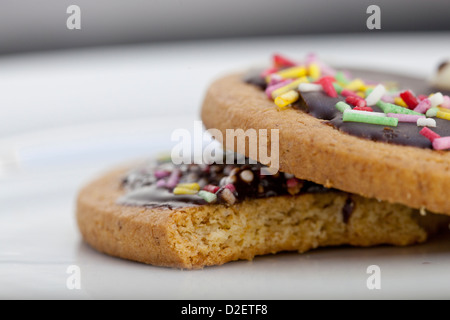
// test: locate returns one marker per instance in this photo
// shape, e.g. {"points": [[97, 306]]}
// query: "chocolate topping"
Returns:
{"points": [[347, 209], [322, 106], [239, 182]]}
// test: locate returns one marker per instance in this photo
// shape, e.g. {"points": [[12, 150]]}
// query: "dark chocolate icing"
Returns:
{"points": [[321, 106], [142, 190]]}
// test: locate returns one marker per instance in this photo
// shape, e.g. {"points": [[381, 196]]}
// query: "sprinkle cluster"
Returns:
{"points": [[287, 79], [216, 183]]}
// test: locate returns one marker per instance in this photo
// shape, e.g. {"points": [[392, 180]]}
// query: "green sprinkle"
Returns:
{"points": [[356, 117], [342, 106], [392, 108], [369, 91], [207, 196], [340, 77], [432, 112], [337, 87]]}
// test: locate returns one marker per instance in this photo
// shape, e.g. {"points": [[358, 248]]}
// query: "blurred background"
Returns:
{"points": [[74, 102]]}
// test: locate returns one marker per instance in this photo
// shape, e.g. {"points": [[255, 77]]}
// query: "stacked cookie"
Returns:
{"points": [[339, 182]]}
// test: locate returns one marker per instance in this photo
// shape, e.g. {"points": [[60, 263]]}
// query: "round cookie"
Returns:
{"points": [[190, 236], [312, 150]]}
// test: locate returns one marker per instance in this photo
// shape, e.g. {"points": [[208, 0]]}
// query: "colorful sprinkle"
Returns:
{"points": [[356, 85], [405, 117], [172, 181], [207, 196], [356, 101], [293, 72], [399, 101], [376, 95], [436, 99], [191, 186], [441, 143], [392, 108], [287, 99], [280, 61], [426, 122], [211, 188], [354, 117], [446, 103], [337, 87], [423, 106], [342, 106], [443, 115], [368, 109], [274, 87], [226, 195], [432, 112], [409, 98], [367, 113], [348, 93], [327, 85], [314, 71], [309, 87], [429, 134], [291, 86], [179, 190]]}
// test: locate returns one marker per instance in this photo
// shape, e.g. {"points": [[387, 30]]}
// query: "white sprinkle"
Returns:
{"points": [[423, 211], [436, 99], [376, 94], [367, 113], [309, 87], [426, 122], [247, 176]]}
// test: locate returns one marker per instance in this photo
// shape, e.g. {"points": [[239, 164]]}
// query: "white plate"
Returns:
{"points": [[39, 239], [42, 171]]}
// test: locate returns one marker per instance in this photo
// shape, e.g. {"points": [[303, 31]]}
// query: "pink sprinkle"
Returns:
{"points": [[349, 93], [291, 183], [161, 174], [266, 72], [160, 183], [429, 134], [423, 106], [211, 188], [441, 143], [446, 103], [388, 98], [230, 187], [270, 89], [405, 117], [421, 97], [173, 179], [274, 79]]}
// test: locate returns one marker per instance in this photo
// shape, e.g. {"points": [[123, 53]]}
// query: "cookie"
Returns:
{"points": [[396, 164], [136, 213]]}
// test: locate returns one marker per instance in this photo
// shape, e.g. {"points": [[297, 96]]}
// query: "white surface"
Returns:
{"points": [[67, 117]]}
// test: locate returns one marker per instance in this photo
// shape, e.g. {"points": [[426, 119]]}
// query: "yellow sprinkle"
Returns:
{"points": [[293, 72], [443, 115], [291, 86], [179, 190], [314, 71], [444, 109], [361, 94], [192, 186], [356, 85], [399, 101], [286, 99]]}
